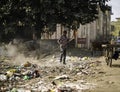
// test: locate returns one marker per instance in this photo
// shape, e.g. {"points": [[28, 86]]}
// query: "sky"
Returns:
{"points": [[115, 9]]}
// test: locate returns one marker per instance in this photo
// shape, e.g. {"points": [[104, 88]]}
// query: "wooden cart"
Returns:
{"points": [[109, 50]]}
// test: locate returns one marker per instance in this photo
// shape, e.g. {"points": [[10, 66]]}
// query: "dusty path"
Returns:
{"points": [[109, 81], [108, 78]]}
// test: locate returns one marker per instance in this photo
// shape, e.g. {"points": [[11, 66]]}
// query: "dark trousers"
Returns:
{"points": [[63, 55]]}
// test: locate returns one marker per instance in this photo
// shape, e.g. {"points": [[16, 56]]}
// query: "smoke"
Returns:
{"points": [[11, 50], [19, 51], [14, 53]]}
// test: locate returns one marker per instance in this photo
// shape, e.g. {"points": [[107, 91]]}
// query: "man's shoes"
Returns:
{"points": [[64, 63], [60, 60]]}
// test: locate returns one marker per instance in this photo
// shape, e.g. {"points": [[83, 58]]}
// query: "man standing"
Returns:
{"points": [[63, 41]]}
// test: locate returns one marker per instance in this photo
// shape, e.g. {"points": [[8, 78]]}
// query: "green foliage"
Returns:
{"points": [[29, 14]]}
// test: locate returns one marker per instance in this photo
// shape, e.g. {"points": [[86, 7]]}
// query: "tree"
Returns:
{"points": [[20, 15]]}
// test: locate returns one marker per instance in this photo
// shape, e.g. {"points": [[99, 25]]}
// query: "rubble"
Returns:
{"points": [[62, 77], [3, 77], [47, 75]]}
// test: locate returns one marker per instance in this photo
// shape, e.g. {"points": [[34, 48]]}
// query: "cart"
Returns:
{"points": [[109, 50]]}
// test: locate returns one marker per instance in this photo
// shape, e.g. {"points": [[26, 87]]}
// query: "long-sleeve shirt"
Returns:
{"points": [[63, 41]]}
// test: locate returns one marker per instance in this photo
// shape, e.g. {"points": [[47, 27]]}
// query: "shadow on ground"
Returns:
{"points": [[116, 65]]}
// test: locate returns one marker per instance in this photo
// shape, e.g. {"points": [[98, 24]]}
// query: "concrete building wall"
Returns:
{"points": [[96, 30]]}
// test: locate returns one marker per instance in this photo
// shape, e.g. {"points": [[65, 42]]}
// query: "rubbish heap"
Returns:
{"points": [[48, 76]]}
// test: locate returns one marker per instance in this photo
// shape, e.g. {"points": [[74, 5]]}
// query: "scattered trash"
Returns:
{"points": [[84, 58], [38, 78], [19, 90], [65, 89], [54, 56], [26, 77], [62, 77], [10, 72], [35, 74], [27, 64], [14, 90], [27, 72], [3, 77]]}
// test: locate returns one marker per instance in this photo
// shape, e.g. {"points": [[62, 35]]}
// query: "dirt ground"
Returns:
{"points": [[94, 70], [108, 80]]}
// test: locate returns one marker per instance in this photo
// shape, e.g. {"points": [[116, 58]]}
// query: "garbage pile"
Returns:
{"points": [[48, 76], [10, 75]]}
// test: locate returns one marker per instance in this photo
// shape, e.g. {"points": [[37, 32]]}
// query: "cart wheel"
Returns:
{"points": [[110, 57], [110, 63]]}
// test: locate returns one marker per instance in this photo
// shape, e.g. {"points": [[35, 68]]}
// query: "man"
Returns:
{"points": [[63, 41]]}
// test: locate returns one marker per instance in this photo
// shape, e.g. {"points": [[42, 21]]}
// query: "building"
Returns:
{"points": [[98, 30], [115, 27]]}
